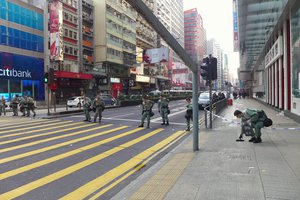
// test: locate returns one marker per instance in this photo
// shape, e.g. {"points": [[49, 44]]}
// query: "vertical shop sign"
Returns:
{"points": [[56, 31]]}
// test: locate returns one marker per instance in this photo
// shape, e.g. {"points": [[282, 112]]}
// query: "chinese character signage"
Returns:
{"points": [[235, 27]]}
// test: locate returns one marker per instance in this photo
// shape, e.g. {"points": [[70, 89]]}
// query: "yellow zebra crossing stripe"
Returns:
{"points": [[135, 169], [92, 186], [48, 139], [31, 127], [42, 134], [57, 175], [18, 123], [67, 154], [53, 126]]}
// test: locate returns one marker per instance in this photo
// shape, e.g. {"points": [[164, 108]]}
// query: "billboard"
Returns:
{"points": [[56, 30], [180, 74], [156, 55]]}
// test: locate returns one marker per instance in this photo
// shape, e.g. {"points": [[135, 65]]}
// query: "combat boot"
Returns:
{"points": [[252, 139], [167, 124], [162, 123], [257, 140], [142, 125]]}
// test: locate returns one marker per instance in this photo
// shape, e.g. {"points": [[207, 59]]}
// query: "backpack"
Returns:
{"points": [[267, 121]]}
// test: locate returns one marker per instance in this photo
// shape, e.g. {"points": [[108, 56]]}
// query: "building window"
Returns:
{"points": [[295, 44]]}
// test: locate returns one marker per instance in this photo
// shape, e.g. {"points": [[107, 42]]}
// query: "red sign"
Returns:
{"points": [[64, 74], [53, 87]]}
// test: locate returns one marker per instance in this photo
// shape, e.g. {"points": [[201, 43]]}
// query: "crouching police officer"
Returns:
{"points": [[147, 111], [15, 103], [257, 121]]}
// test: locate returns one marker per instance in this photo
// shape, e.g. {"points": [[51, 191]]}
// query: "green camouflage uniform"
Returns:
{"points": [[15, 103], [189, 115], [30, 106], [23, 105], [2, 106], [86, 108], [163, 109], [257, 121], [99, 106], [147, 108]]}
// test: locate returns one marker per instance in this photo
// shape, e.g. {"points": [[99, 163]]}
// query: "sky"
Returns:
{"points": [[217, 19]]}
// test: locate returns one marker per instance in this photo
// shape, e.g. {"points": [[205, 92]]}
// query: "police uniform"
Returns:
{"points": [[15, 103], [23, 105], [30, 106], [257, 122], [99, 106], [86, 108], [2, 106], [163, 109], [147, 109], [189, 115]]}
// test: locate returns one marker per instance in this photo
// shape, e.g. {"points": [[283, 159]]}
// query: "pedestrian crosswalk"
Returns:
{"points": [[60, 159]]}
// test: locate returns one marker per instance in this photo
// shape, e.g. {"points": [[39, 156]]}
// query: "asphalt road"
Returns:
{"points": [[66, 158]]}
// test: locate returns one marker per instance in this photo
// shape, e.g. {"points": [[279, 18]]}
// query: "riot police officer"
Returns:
{"points": [[86, 108], [98, 106], [30, 106], [14, 103], [163, 109], [147, 111]]}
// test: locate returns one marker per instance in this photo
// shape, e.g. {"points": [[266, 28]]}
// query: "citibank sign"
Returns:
{"points": [[11, 72]]}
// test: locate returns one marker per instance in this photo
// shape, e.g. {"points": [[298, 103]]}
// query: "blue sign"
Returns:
{"points": [[13, 66]]}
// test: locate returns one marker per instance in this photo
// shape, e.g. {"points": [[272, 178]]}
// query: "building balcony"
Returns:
{"points": [[130, 26], [87, 43], [114, 58], [113, 18], [114, 4], [114, 45], [129, 39], [114, 32]]}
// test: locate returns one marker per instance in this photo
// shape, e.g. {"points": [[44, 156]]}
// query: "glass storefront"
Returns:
{"points": [[295, 44]]}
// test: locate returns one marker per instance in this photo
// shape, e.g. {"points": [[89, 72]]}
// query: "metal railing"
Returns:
{"points": [[217, 107]]}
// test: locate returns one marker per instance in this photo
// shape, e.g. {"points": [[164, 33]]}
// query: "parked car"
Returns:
{"points": [[203, 100], [108, 99], [76, 101]]}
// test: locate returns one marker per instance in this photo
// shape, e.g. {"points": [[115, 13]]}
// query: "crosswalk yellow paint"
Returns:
{"points": [[60, 174], [135, 169], [48, 139], [31, 127], [17, 123], [39, 135], [53, 126], [67, 154], [92, 186]]}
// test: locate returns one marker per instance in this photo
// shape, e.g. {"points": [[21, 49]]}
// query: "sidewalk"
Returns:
{"points": [[226, 169]]}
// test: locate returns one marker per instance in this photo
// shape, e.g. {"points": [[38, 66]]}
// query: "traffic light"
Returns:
{"points": [[51, 75], [46, 78], [205, 69], [213, 68]]}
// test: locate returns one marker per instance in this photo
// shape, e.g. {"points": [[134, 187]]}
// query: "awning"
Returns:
{"points": [[162, 78], [64, 74]]}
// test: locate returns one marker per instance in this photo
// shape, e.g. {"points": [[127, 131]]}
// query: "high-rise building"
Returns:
{"points": [[115, 45], [195, 38], [215, 50], [22, 47]]}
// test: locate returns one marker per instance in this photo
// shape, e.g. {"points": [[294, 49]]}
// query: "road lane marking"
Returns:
{"points": [[135, 169], [23, 123], [67, 154], [69, 170], [123, 115], [38, 130], [48, 139], [31, 127], [23, 155], [34, 131], [92, 186]]}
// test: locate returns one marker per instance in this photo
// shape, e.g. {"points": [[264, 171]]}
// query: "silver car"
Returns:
{"points": [[203, 100]]}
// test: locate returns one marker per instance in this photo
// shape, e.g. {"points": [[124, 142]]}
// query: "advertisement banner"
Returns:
{"points": [[156, 55], [235, 27], [56, 30], [180, 73], [13, 66]]}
